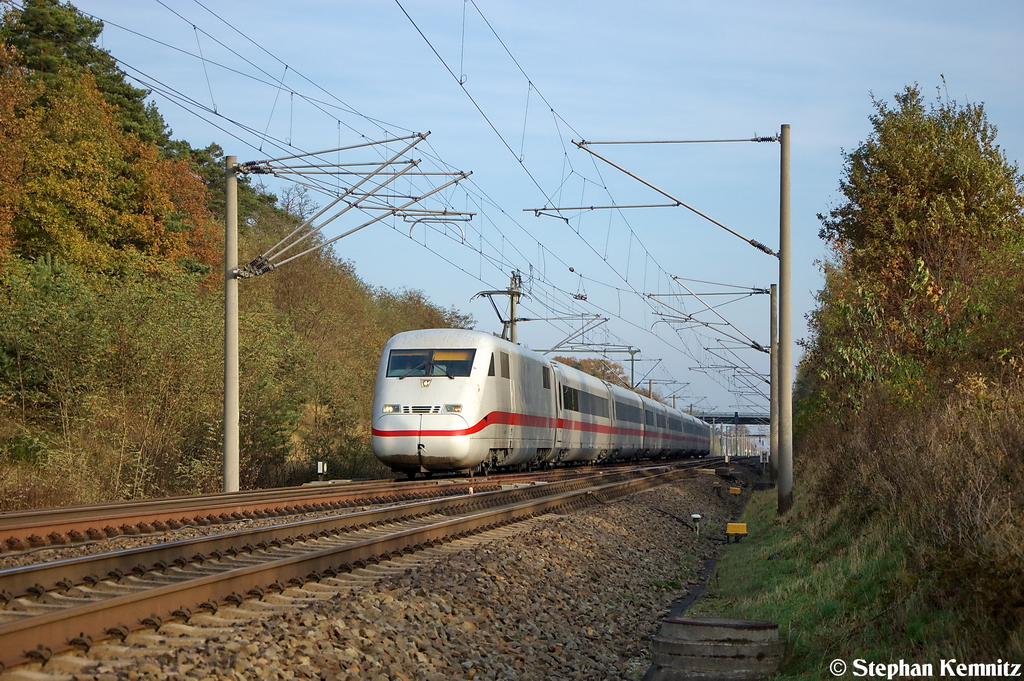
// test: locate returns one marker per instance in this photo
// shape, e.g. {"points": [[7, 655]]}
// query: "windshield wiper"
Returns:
{"points": [[418, 366]]}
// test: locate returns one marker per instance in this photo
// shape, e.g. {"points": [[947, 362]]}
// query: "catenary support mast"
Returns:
{"points": [[231, 326], [773, 427], [785, 335]]}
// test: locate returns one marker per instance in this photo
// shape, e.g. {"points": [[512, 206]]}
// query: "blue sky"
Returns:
{"points": [[547, 73]]}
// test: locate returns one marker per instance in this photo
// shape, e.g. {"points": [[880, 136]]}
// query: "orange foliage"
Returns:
{"points": [[204, 236], [16, 94], [75, 186]]}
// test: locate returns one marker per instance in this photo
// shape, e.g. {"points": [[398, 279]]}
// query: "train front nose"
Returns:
{"points": [[422, 441]]}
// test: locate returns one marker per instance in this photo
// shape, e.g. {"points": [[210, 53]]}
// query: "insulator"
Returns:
{"points": [[254, 168], [761, 247]]}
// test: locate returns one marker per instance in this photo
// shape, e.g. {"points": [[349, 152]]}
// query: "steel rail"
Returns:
{"points": [[33, 528], [55, 631], [36, 528], [21, 581]]}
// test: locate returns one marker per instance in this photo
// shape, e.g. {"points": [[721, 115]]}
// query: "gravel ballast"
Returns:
{"points": [[575, 597]]}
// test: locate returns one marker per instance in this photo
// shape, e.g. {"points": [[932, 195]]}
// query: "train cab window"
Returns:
{"points": [[505, 373], [452, 362], [650, 417], [547, 377], [440, 362], [490, 369]]}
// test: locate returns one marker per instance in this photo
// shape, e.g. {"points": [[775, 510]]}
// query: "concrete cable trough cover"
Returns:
{"points": [[715, 648]]}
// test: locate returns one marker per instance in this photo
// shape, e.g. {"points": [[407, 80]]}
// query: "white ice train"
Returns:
{"points": [[457, 400]]}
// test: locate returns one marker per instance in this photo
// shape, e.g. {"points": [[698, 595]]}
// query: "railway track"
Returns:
{"points": [[54, 607], [35, 529], [41, 528]]}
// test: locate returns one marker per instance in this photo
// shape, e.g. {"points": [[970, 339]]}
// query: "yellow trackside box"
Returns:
{"points": [[736, 528], [735, 490]]}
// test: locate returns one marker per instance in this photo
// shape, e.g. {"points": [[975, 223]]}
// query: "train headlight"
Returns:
{"points": [[391, 408], [453, 408]]}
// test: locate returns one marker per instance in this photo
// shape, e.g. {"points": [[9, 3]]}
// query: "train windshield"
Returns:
{"points": [[446, 362]]}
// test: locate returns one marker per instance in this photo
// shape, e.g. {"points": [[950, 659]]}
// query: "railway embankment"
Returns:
{"points": [[849, 593], [577, 597], [907, 547], [572, 596]]}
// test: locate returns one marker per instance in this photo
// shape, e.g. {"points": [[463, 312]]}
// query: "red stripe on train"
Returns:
{"points": [[498, 418]]}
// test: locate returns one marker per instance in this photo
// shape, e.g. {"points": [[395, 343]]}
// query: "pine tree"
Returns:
{"points": [[53, 37]]}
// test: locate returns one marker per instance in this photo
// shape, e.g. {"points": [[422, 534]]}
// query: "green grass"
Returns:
{"points": [[837, 586]]}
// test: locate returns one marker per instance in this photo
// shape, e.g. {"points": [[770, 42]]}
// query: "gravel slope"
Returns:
{"points": [[574, 597]]}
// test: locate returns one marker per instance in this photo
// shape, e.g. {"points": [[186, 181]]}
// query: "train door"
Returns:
{"points": [[563, 435], [559, 422], [514, 435], [503, 428], [510, 386], [549, 391]]}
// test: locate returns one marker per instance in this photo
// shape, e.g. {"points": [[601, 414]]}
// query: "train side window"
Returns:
{"points": [[504, 366], [570, 398], [650, 416], [547, 377], [490, 369], [628, 412], [590, 403]]}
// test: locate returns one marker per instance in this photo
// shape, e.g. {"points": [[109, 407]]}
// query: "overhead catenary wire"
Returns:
{"points": [[508, 246], [295, 237], [490, 123], [754, 344], [195, 108], [755, 138], [582, 144]]}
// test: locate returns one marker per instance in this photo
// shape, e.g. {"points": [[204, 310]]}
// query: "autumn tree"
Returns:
{"points": [[76, 187], [110, 363], [925, 245], [929, 188], [911, 391], [17, 121]]}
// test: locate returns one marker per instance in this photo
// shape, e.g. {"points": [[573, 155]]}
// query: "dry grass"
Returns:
{"points": [[946, 477]]}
